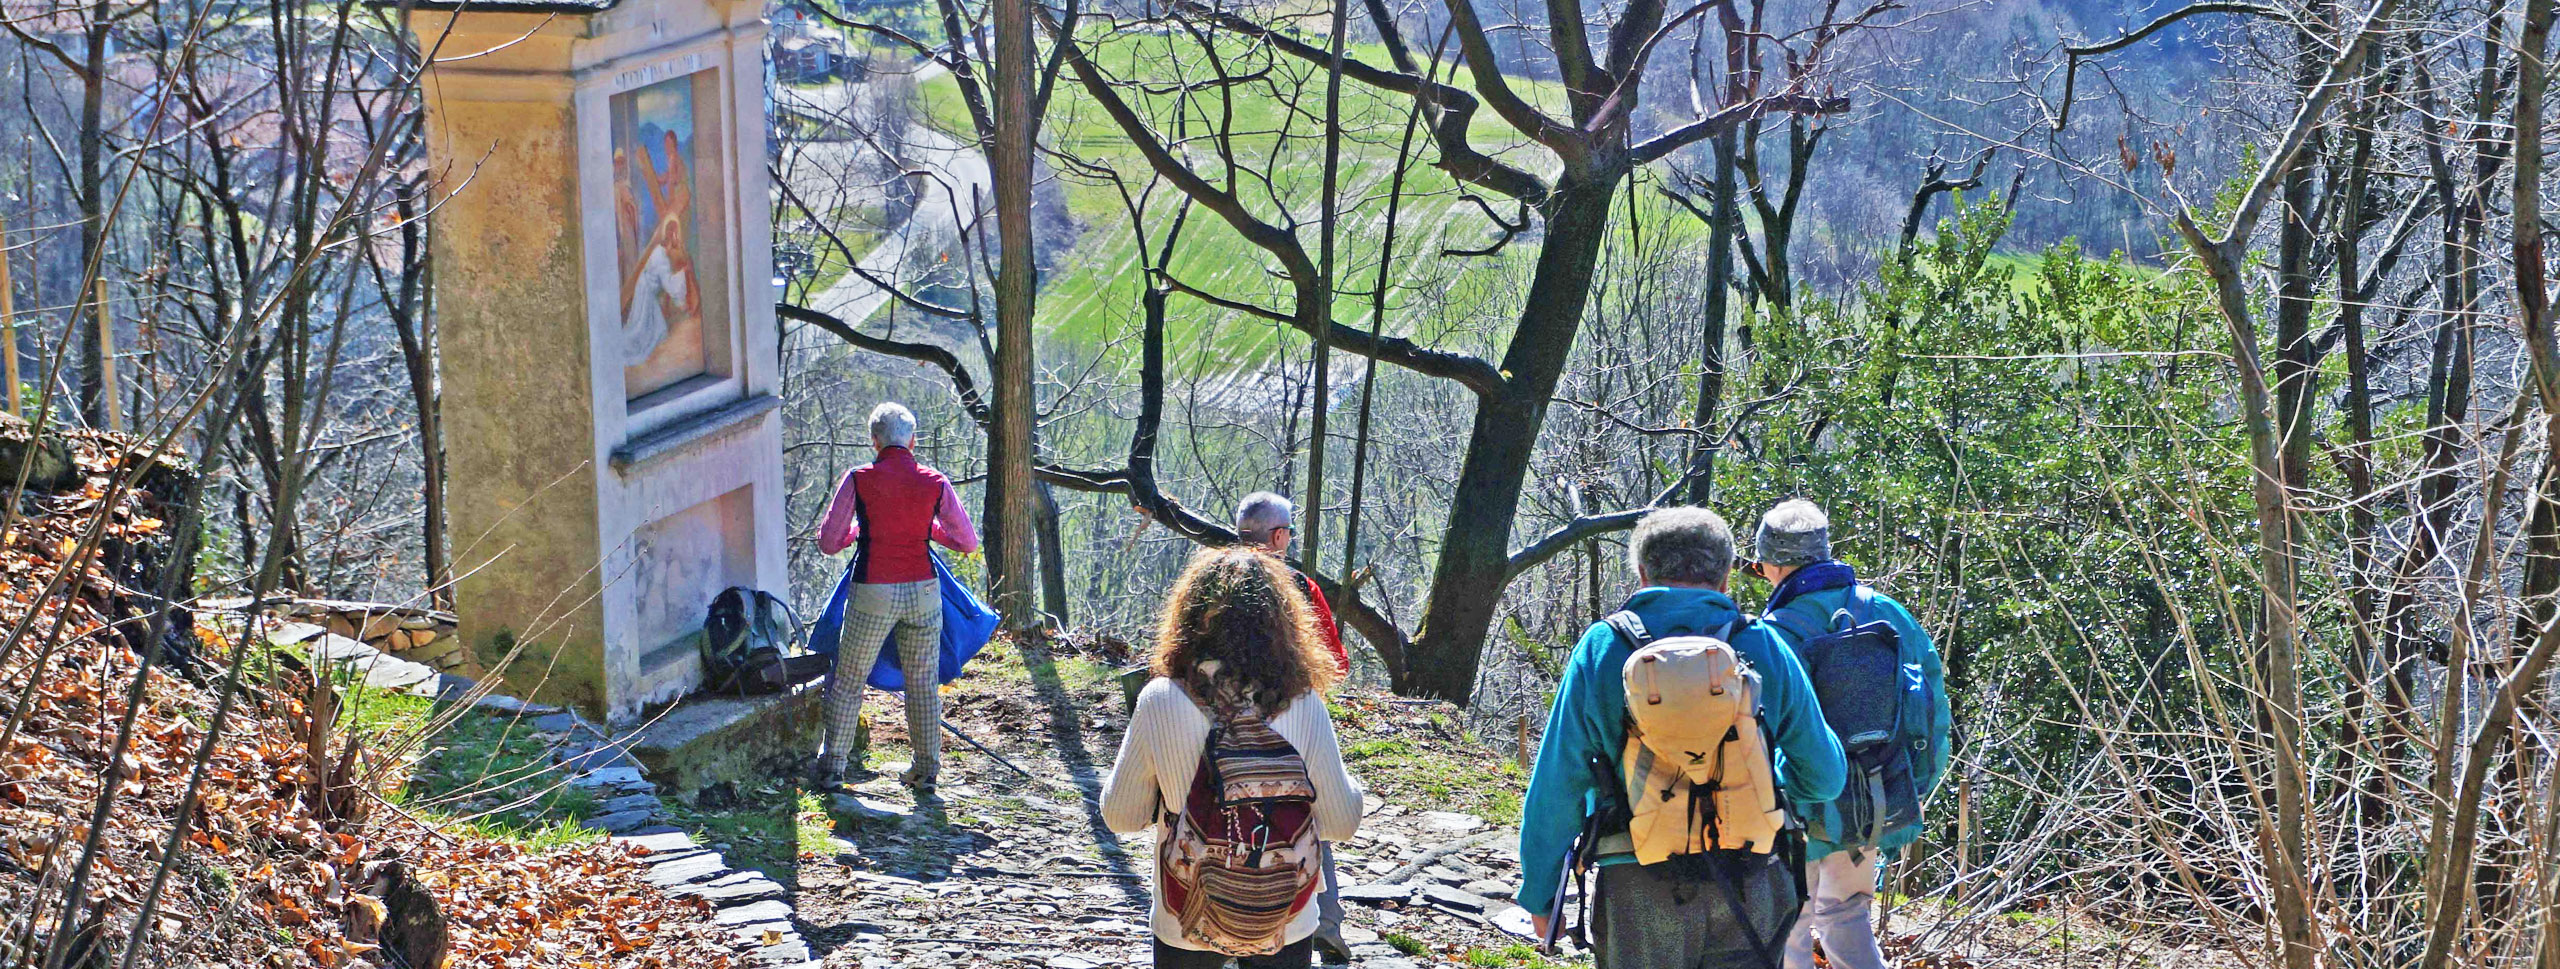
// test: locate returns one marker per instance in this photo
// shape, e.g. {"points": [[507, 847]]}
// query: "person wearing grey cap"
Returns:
{"points": [[1266, 522], [1814, 599]]}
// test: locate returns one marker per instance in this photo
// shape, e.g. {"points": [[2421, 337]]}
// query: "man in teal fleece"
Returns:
{"points": [[1792, 549], [1676, 913]]}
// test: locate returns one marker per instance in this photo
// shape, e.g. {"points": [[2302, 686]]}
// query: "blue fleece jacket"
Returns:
{"points": [[1813, 607], [1590, 712]]}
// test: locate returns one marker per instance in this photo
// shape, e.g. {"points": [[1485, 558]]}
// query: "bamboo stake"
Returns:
{"points": [[1522, 754], [107, 359], [1964, 831], [8, 322]]}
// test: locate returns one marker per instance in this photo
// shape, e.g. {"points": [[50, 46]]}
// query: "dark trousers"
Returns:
{"points": [[1722, 911], [1295, 955], [1329, 899]]}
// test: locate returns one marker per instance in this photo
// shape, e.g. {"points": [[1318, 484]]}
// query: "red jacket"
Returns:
{"points": [[889, 509], [1324, 623]]}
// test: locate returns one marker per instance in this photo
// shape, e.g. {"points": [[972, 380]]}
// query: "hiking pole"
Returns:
{"points": [[1586, 849], [1555, 904], [982, 748]]}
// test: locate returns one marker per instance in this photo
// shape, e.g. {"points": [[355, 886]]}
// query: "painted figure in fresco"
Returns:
{"points": [[626, 209], [660, 293], [675, 183]]}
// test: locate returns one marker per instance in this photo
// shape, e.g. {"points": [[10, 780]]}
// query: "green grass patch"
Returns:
{"points": [[477, 776], [492, 776], [1517, 955], [1361, 750], [811, 824], [1275, 128], [1406, 944], [761, 827], [1468, 780], [536, 835], [381, 717], [858, 228], [1004, 663]]}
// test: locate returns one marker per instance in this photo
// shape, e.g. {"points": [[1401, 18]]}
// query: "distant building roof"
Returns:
{"points": [[505, 6]]}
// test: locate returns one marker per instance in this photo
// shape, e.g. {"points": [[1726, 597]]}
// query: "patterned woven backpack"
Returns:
{"points": [[1238, 861]]}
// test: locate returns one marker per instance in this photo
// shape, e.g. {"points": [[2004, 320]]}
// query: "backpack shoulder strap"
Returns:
{"points": [[1861, 604], [787, 612], [1627, 624], [1784, 617], [1630, 626], [1863, 609]]}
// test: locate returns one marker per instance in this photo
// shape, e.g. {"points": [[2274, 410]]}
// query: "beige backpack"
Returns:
{"points": [[1697, 767]]}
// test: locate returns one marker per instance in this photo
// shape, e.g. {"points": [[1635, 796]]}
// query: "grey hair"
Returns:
{"points": [[1691, 546], [893, 425], [1795, 532], [1259, 513]]}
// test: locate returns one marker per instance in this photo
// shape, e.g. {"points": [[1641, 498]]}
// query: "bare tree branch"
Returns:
{"points": [[2074, 54], [924, 353]]}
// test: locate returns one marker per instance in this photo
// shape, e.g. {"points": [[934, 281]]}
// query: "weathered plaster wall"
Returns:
{"points": [[556, 479], [515, 418]]}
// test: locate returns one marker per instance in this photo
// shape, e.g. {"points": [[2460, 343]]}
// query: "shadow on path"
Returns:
{"points": [[1067, 737]]}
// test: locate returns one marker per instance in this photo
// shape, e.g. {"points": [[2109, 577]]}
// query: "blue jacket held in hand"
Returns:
{"points": [[1812, 594], [1590, 717], [967, 625]]}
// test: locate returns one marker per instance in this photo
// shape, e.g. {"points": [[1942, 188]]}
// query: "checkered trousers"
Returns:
{"points": [[913, 611]]}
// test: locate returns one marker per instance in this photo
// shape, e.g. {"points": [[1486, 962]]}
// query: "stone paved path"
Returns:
{"points": [[1009, 870]]}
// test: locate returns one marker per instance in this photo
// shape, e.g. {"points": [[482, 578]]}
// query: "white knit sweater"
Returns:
{"points": [[1162, 750]]}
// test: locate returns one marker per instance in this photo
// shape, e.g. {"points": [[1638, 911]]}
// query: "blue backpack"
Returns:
{"points": [[967, 625], [1877, 702]]}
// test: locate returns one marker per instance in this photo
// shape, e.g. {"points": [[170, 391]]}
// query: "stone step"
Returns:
{"points": [[707, 740], [693, 868], [751, 913], [733, 888]]}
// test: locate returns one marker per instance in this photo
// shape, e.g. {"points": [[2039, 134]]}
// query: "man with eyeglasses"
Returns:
{"points": [[1264, 522]]}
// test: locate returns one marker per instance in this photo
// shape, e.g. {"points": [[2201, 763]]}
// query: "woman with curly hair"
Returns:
{"points": [[1237, 656]]}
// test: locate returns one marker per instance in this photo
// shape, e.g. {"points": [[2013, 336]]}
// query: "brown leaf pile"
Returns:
{"points": [[582, 906], [257, 882]]}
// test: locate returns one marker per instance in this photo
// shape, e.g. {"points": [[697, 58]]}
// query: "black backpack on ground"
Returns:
{"points": [[747, 647], [1873, 705]]}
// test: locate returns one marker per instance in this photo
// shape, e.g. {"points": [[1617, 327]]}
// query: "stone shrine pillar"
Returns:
{"points": [[609, 359]]}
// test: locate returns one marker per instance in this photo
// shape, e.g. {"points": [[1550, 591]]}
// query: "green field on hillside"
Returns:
{"points": [[1091, 295]]}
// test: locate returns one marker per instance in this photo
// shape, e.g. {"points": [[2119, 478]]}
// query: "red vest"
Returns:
{"points": [[894, 501]]}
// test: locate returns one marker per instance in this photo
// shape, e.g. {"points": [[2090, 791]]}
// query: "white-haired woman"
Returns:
{"points": [[887, 510]]}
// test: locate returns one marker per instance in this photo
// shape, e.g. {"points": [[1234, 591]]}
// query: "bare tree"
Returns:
{"points": [[90, 28], [1596, 147]]}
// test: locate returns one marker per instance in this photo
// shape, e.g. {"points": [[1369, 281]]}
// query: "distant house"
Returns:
{"points": [[805, 48]]}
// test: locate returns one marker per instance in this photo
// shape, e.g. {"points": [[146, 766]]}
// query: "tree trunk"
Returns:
{"points": [[2280, 635], [1475, 557], [2367, 705], [2533, 316], [2542, 549], [1721, 212], [1311, 512], [1010, 456], [93, 227], [2295, 374], [410, 305]]}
